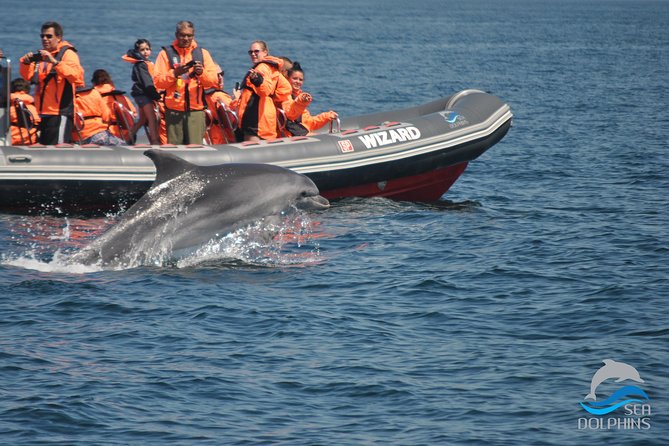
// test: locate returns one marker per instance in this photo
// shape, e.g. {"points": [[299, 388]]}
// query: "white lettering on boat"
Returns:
{"points": [[392, 136]]}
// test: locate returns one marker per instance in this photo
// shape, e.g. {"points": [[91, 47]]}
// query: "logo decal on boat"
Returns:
{"points": [[393, 136], [345, 146], [454, 119]]}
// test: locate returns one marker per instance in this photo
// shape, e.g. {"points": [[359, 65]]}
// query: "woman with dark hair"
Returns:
{"points": [[306, 123]]}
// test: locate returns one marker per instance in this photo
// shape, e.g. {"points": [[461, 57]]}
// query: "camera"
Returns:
{"points": [[36, 57], [189, 65]]}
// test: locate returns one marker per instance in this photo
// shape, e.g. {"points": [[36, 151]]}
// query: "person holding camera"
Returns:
{"points": [[264, 91], [56, 71], [184, 70]]}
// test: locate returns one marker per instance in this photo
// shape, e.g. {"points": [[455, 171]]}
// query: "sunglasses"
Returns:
{"points": [[48, 36], [254, 52]]}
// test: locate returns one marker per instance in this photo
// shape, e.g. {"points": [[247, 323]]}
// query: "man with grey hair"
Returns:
{"points": [[184, 70]]}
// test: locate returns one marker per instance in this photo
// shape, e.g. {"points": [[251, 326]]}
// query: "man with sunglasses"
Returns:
{"points": [[56, 71], [185, 70]]}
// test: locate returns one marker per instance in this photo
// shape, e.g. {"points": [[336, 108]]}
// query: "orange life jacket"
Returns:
{"points": [[23, 128], [261, 101], [183, 93], [92, 107]]}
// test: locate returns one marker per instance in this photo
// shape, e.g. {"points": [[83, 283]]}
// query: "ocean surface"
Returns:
{"points": [[479, 319]]}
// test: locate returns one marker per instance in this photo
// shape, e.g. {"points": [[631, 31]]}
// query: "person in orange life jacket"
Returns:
{"points": [[263, 90], [212, 96], [57, 72], [306, 123], [184, 83], [103, 83], [143, 90], [21, 134], [89, 103]]}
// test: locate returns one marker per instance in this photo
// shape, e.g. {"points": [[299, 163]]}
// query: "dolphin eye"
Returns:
{"points": [[304, 193]]}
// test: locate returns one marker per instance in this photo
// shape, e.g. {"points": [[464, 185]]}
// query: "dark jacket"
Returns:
{"points": [[142, 76]]}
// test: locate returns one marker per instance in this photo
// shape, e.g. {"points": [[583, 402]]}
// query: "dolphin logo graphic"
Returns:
{"points": [[612, 369]]}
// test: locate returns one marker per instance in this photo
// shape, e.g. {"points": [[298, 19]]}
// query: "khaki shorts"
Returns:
{"points": [[185, 127]]}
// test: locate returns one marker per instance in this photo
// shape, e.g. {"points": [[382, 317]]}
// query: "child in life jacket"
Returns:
{"points": [[143, 90], [23, 114]]}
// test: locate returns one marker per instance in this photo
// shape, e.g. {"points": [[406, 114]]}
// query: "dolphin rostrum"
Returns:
{"points": [[612, 369], [189, 205]]}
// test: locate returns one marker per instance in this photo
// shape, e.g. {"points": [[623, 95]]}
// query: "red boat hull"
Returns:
{"points": [[428, 186]]}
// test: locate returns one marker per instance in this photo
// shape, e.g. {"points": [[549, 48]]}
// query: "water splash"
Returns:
{"points": [[283, 241], [289, 239]]}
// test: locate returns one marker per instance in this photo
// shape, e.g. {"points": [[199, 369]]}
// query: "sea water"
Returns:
{"points": [[481, 318]]}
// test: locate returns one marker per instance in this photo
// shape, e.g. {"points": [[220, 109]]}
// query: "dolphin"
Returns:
{"points": [[612, 369], [188, 205]]}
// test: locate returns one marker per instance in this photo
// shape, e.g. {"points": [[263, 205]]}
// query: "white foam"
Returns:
{"points": [[58, 264]]}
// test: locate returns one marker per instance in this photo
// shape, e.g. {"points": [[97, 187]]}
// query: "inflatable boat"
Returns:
{"points": [[413, 154]]}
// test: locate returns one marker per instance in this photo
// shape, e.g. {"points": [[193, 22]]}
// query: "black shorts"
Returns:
{"points": [[55, 129]]}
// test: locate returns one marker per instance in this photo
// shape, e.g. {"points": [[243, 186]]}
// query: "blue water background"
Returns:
{"points": [[479, 319]]}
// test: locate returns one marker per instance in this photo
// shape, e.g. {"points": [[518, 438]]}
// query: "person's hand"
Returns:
{"points": [[30, 57], [198, 69], [46, 55], [255, 78], [180, 70], [332, 115], [304, 98]]}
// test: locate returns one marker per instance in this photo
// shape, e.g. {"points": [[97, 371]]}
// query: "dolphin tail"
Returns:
{"points": [[591, 396]]}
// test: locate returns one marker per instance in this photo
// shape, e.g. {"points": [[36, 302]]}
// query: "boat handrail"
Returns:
{"points": [[457, 96], [332, 125], [5, 101]]}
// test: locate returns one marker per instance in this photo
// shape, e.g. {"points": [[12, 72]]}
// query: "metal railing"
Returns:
{"points": [[337, 128], [5, 102]]}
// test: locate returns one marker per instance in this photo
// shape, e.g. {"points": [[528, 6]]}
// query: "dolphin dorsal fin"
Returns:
{"points": [[167, 165], [608, 361]]}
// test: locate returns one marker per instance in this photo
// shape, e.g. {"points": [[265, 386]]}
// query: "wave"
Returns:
{"points": [[613, 402]]}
